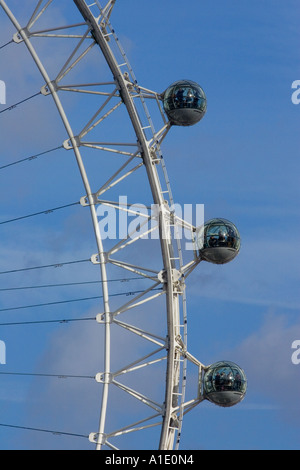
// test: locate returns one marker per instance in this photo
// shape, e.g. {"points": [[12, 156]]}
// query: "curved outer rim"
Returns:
{"points": [[172, 301], [83, 174]]}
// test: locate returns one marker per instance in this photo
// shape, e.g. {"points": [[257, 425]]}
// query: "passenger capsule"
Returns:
{"points": [[225, 384], [184, 103], [218, 241]]}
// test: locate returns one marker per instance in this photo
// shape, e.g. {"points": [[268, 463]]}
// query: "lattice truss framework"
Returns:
{"points": [[142, 153]]}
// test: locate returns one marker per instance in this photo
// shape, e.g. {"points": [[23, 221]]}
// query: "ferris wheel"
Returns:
{"points": [[122, 131]]}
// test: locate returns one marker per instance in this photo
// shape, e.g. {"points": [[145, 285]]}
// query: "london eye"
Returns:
{"points": [[118, 149]]}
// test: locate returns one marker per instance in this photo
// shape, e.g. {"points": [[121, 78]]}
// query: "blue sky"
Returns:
{"points": [[241, 161]]}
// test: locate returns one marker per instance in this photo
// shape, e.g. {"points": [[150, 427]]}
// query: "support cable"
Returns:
{"points": [[58, 433], [59, 376], [48, 211], [32, 157], [38, 322], [56, 265], [73, 300], [67, 284], [20, 102], [7, 44]]}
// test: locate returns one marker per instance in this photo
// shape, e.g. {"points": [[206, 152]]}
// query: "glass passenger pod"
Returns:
{"points": [[225, 384], [218, 241], [184, 103]]}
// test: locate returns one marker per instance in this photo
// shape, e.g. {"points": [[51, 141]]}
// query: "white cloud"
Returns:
{"points": [[265, 273], [266, 357]]}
